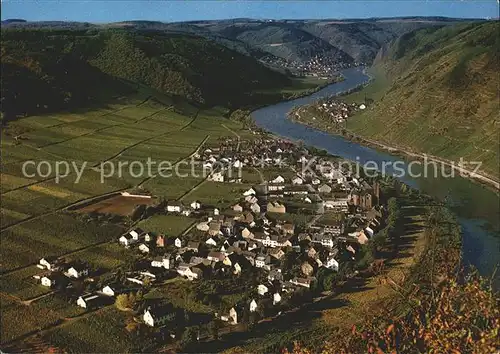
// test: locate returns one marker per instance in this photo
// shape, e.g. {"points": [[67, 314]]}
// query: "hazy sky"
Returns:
{"points": [[181, 10]]}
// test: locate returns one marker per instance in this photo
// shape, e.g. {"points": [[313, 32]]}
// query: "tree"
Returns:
{"points": [[125, 302]]}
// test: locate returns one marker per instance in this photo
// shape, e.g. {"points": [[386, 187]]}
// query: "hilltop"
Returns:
{"points": [[50, 70], [437, 93], [347, 40]]}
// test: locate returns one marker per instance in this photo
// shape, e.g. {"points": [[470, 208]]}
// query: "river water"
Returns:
{"points": [[477, 208]]}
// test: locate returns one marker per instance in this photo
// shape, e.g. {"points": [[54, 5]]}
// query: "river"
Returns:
{"points": [[477, 207]]}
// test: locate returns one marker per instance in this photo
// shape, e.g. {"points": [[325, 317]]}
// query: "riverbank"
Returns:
{"points": [[301, 116]]}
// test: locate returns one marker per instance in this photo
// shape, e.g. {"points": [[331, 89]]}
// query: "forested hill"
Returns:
{"points": [[442, 96], [47, 70]]}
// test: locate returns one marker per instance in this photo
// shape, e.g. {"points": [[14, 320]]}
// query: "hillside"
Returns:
{"points": [[440, 95], [49, 70]]}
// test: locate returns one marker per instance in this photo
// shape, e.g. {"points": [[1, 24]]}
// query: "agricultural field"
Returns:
{"points": [[36, 221], [170, 225], [101, 332], [119, 205]]}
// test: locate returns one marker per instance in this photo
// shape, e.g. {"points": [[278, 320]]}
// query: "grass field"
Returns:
{"points": [[170, 225]]}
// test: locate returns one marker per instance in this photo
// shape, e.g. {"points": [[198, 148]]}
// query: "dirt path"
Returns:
{"points": [[236, 134]]}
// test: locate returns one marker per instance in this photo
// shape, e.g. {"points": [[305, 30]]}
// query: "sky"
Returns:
{"points": [[102, 11]]}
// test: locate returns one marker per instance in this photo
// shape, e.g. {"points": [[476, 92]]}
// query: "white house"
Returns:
{"points": [[154, 318], [127, 240], [237, 164], [88, 301], [77, 272], [369, 231], [174, 207], [195, 205], [48, 263], [253, 306], [148, 237], [48, 281], [211, 242], [276, 298], [216, 211], [362, 106], [278, 180], [297, 180], [262, 289], [144, 248], [216, 177], [135, 234], [249, 192], [255, 208], [331, 263], [108, 291], [178, 242], [316, 181]]}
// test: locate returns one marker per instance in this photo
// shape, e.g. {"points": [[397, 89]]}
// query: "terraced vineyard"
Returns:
{"points": [[35, 219]]}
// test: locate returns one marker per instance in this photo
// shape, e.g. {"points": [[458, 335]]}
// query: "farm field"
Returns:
{"points": [[170, 225], [35, 222], [120, 205]]}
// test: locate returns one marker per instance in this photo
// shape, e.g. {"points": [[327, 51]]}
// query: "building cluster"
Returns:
{"points": [[339, 111], [260, 231], [317, 66]]}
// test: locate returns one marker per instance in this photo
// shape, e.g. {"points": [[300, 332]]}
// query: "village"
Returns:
{"points": [[290, 237], [330, 110], [318, 66]]}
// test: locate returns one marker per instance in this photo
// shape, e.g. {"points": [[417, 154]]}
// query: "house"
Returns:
{"points": [[48, 280], [253, 306], [144, 248], [178, 242], [297, 180], [369, 231], [312, 252], [174, 207], [216, 177], [307, 200], [324, 239], [276, 253], [255, 208], [49, 263], [233, 316], [193, 246], [148, 237], [262, 261], [276, 298], [211, 241], [238, 208], [90, 301], [324, 189], [262, 289], [278, 180], [77, 271], [246, 233], [305, 282], [136, 233], [331, 263], [195, 205], [203, 226], [251, 199], [166, 261], [249, 192], [127, 240], [276, 207], [216, 211], [237, 268], [337, 204], [157, 317], [315, 181], [189, 272], [216, 256], [109, 291]]}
